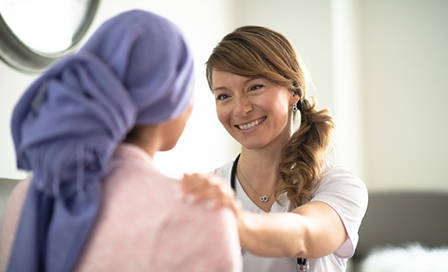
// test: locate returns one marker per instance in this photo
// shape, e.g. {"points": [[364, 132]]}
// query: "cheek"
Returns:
{"points": [[283, 102], [281, 110], [223, 115], [274, 104]]}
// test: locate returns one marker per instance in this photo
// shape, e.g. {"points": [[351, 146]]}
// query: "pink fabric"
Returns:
{"points": [[144, 226]]}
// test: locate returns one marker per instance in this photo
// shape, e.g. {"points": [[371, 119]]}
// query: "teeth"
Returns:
{"points": [[251, 125]]}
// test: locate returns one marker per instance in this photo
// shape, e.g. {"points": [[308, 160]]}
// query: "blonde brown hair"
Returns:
{"points": [[255, 51]]}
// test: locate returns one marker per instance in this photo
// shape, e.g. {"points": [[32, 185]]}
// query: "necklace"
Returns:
{"points": [[262, 198], [302, 263]]}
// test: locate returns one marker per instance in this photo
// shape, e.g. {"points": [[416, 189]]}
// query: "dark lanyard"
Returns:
{"points": [[302, 263]]}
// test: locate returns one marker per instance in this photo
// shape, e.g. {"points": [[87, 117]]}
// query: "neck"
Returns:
{"points": [[257, 175], [147, 138], [259, 168]]}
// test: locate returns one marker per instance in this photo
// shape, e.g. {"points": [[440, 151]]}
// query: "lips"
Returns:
{"points": [[251, 124]]}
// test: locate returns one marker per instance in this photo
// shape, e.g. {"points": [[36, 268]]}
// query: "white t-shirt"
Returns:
{"points": [[340, 189]]}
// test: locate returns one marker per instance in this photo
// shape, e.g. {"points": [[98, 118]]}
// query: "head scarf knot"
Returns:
{"points": [[136, 69]]}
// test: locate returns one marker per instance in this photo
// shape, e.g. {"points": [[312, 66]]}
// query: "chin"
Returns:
{"points": [[252, 144], [168, 147]]}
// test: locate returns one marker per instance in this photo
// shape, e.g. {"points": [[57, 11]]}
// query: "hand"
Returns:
{"points": [[211, 189]]}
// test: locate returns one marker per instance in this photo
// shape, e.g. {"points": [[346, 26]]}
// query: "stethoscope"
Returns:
{"points": [[301, 262]]}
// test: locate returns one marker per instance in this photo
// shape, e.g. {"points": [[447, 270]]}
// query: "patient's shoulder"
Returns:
{"points": [[202, 238]]}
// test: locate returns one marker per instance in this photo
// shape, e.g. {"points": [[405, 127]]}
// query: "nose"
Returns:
{"points": [[243, 106]]}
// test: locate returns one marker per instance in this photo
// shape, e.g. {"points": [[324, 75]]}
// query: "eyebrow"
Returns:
{"points": [[244, 83], [219, 88]]}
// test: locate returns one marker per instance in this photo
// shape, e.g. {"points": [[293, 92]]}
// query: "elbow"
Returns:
{"points": [[300, 246], [298, 250]]}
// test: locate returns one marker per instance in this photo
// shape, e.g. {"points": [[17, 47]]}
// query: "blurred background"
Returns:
{"points": [[381, 66]]}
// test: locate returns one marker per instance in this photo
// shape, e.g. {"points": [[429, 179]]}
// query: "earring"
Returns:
{"points": [[294, 107]]}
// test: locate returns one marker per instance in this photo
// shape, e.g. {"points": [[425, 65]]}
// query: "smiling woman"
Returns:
{"points": [[295, 210], [254, 111], [34, 34]]}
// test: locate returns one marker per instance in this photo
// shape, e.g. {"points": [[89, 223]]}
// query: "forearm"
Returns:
{"points": [[273, 235], [312, 230]]}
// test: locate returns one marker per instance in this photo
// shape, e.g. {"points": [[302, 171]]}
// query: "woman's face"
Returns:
{"points": [[255, 111]]}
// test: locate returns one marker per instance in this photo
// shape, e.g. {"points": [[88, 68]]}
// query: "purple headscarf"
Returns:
{"points": [[136, 69]]}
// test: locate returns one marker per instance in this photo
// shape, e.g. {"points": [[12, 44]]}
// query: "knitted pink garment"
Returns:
{"points": [[145, 226]]}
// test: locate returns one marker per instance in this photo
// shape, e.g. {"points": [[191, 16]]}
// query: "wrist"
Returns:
{"points": [[246, 228]]}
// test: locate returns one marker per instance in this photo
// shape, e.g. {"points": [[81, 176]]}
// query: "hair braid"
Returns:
{"points": [[303, 157]]}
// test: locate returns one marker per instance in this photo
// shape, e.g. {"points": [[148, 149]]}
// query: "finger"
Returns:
{"points": [[192, 182], [211, 189], [199, 187], [203, 194], [202, 182]]}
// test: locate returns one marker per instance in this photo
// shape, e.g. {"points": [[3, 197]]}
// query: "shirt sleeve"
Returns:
{"points": [[194, 238], [347, 195]]}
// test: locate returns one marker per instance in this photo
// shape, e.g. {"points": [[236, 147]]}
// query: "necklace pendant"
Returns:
{"points": [[264, 198]]}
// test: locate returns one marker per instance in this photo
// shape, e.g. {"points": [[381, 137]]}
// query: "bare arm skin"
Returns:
{"points": [[312, 230]]}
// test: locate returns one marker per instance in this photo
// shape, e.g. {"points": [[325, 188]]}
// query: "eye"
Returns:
{"points": [[221, 97], [256, 87]]}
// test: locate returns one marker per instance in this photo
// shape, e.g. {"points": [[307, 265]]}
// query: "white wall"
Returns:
{"points": [[346, 86], [404, 62]]}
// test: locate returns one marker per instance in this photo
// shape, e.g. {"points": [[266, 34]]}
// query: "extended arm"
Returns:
{"points": [[311, 231]]}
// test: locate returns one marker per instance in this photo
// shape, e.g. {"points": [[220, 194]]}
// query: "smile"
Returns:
{"points": [[251, 124]]}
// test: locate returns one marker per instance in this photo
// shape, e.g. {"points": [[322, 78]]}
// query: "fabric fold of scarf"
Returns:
{"points": [[136, 69]]}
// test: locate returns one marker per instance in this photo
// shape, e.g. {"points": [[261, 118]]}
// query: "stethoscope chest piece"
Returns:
{"points": [[303, 264]]}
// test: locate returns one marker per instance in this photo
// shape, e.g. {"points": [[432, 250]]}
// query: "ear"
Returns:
{"points": [[294, 98]]}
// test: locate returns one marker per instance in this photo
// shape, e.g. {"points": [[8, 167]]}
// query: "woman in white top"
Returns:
{"points": [[295, 210]]}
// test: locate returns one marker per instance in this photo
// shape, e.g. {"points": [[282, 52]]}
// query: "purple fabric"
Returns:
{"points": [[136, 69]]}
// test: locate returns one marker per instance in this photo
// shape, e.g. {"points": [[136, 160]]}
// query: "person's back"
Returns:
{"points": [[166, 234], [144, 225]]}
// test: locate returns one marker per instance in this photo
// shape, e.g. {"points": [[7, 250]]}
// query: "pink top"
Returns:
{"points": [[143, 224]]}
